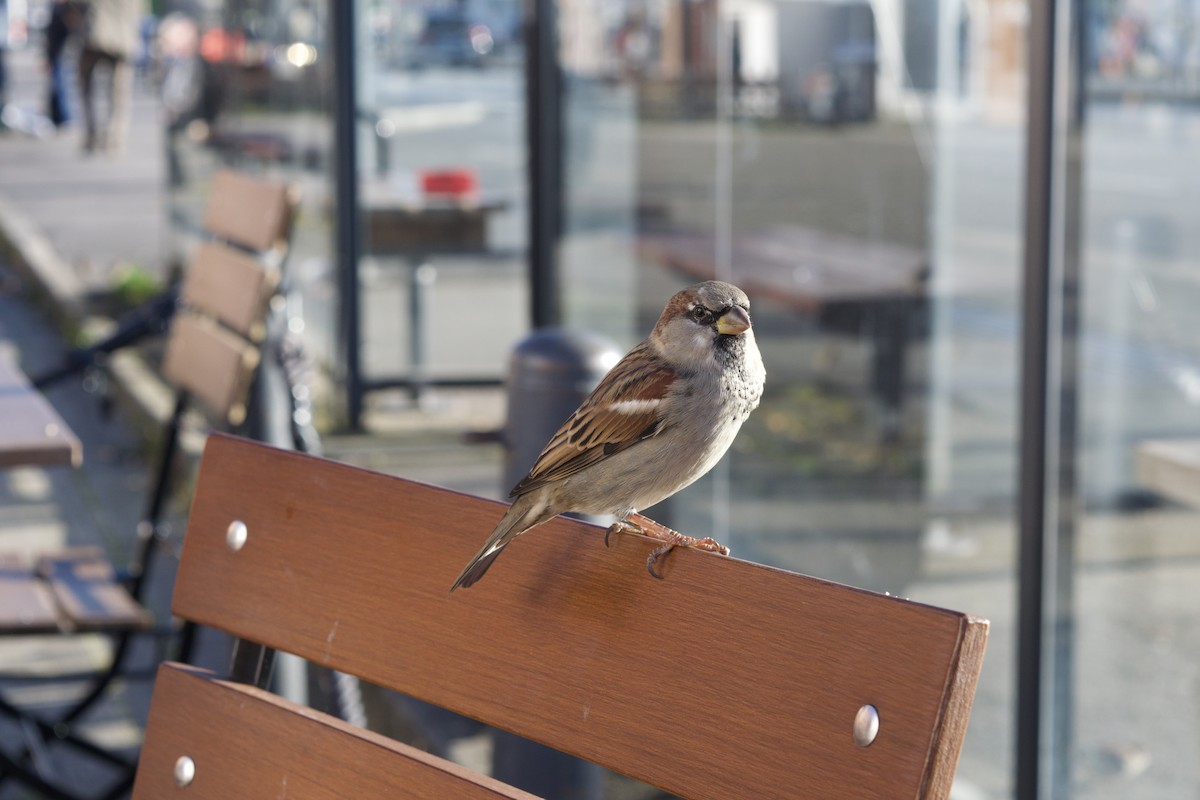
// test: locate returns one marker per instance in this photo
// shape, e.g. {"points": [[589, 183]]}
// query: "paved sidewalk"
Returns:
{"points": [[99, 212]]}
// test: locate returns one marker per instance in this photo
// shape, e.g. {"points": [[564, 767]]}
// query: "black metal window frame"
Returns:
{"points": [[1048, 491]]}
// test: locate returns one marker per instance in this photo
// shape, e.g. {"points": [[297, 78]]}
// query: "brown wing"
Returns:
{"points": [[623, 410]]}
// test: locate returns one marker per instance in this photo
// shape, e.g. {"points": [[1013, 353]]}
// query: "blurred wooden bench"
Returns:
{"points": [[726, 679], [1170, 467], [31, 431], [211, 354]]}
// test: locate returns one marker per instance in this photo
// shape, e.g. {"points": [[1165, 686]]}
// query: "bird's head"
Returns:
{"points": [[703, 323]]}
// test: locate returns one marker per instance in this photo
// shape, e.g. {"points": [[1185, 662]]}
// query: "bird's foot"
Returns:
{"points": [[670, 540]]}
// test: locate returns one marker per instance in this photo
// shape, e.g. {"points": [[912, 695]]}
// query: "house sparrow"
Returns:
{"points": [[661, 418]]}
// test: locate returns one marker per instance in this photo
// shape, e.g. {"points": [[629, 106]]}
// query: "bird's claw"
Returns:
{"points": [[707, 544], [620, 527], [655, 555]]}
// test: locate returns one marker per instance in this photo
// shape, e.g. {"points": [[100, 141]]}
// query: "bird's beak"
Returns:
{"points": [[733, 322]]}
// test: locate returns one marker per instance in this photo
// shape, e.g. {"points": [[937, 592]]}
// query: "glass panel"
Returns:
{"points": [[247, 85], [442, 190], [1135, 700], [856, 168]]}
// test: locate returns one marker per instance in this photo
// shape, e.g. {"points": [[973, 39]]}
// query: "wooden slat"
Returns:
{"points": [[232, 286], [1171, 467], [248, 743], [31, 431], [25, 602], [213, 364], [85, 588], [248, 211], [727, 679]]}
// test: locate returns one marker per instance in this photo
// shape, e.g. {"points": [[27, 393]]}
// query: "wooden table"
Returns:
{"points": [[808, 270], [31, 431], [848, 285], [416, 234], [1171, 467]]}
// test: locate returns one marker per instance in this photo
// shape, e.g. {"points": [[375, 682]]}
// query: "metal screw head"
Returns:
{"points": [[866, 725], [185, 771], [236, 534]]}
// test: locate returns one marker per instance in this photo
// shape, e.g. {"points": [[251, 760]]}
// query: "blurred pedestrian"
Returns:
{"points": [[3, 59], [65, 16], [191, 92], [111, 30]]}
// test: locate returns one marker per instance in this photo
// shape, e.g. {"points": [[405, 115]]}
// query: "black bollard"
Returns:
{"points": [[550, 373]]}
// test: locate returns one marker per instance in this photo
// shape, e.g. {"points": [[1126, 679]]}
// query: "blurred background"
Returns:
{"points": [[966, 351]]}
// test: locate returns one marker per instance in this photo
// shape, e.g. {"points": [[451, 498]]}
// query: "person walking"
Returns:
{"points": [[110, 41], [64, 21]]}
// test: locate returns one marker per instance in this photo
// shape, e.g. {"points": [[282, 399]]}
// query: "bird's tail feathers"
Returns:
{"points": [[520, 517]]}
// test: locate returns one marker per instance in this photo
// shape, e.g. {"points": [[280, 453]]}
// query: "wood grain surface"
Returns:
{"points": [[231, 285], [246, 743], [211, 363], [26, 605], [87, 592], [726, 679], [1171, 467], [31, 431], [249, 211]]}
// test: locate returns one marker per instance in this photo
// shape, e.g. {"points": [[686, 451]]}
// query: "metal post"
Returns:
{"points": [[1053, 181], [421, 276], [345, 160], [544, 144]]}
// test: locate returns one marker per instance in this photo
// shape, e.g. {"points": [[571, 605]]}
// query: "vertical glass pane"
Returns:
{"points": [[247, 85], [1135, 699], [856, 167], [441, 190]]}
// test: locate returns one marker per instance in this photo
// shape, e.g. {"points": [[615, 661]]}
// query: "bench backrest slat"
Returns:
{"points": [[726, 679], [248, 211], [211, 363], [227, 287], [231, 285], [272, 751]]}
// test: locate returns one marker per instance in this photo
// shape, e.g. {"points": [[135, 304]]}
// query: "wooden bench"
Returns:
{"points": [[1170, 467], [726, 679], [211, 354], [31, 431]]}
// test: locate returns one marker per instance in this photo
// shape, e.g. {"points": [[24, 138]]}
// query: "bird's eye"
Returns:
{"points": [[700, 314]]}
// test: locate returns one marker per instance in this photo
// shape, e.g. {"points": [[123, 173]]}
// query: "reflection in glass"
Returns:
{"points": [[441, 192], [854, 167], [1134, 724], [247, 85]]}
